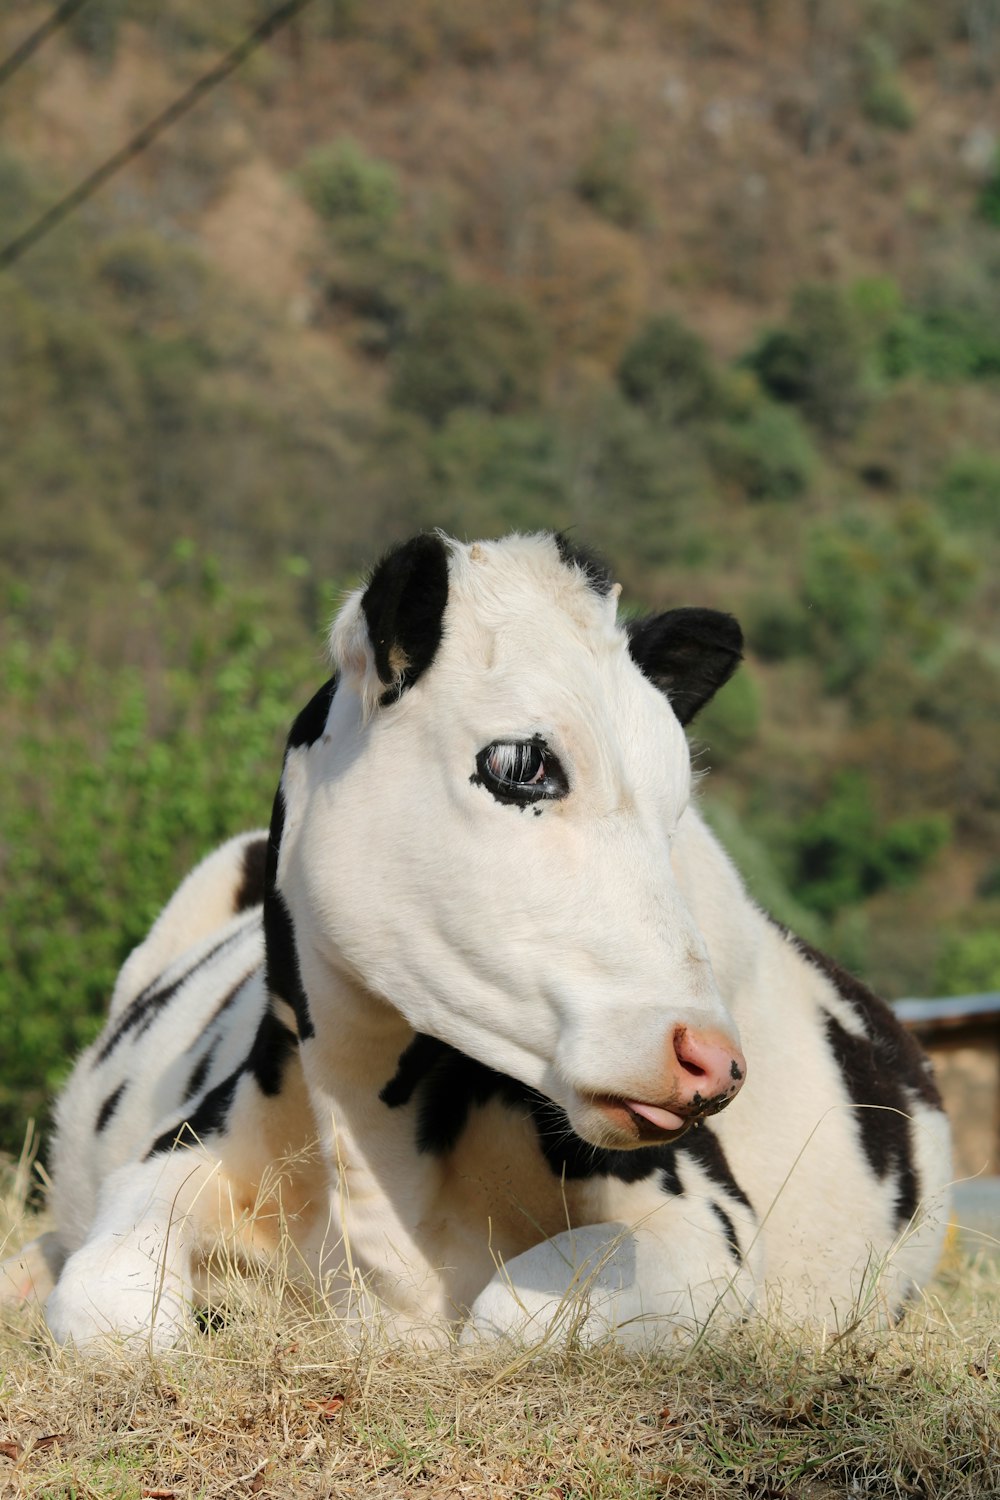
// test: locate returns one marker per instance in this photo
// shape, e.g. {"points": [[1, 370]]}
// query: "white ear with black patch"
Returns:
{"points": [[387, 633], [688, 654]]}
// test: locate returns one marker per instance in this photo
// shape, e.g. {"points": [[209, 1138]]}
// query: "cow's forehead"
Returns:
{"points": [[519, 595], [531, 642]]}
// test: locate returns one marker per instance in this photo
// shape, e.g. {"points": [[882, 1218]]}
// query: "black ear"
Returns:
{"points": [[404, 606], [688, 653]]}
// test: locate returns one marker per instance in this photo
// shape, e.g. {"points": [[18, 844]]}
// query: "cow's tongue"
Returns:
{"points": [[662, 1118]]}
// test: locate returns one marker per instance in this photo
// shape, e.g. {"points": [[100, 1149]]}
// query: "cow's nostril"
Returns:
{"points": [[683, 1053]]}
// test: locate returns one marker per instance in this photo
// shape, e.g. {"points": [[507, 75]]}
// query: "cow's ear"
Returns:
{"points": [[387, 633], [688, 654]]}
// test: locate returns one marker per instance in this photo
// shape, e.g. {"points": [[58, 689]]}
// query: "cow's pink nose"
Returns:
{"points": [[710, 1071]]}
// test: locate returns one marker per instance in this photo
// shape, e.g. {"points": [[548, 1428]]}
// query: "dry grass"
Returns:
{"points": [[279, 1402]]}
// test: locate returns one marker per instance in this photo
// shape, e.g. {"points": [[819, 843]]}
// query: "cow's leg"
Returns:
{"points": [[131, 1278], [643, 1285]]}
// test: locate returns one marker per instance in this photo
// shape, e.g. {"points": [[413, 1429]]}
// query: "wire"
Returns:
{"points": [[273, 23], [31, 44]]}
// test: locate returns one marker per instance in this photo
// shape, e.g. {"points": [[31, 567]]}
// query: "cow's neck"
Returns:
{"points": [[383, 1186]]}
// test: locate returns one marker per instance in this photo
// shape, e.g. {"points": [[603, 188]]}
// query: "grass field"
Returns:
{"points": [[278, 1402]]}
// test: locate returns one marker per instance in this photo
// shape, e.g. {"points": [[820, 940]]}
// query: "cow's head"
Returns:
{"points": [[480, 830]]}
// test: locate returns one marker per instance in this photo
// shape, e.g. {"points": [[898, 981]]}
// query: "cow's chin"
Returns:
{"points": [[609, 1122]]}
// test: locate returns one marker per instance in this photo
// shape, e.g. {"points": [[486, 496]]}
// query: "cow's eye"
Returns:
{"points": [[520, 771]]}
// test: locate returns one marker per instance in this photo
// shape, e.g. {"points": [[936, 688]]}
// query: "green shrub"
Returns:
{"points": [[841, 856], [731, 721], [96, 29], [886, 103], [154, 282], [817, 360], [607, 177], [777, 627], [970, 490], [942, 343], [470, 346], [114, 783], [884, 100], [346, 187], [989, 196], [969, 963], [497, 473], [767, 456], [669, 372], [384, 285], [843, 592], [867, 581]]}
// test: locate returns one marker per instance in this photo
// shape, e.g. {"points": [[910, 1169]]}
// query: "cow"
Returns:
{"points": [[485, 1025]]}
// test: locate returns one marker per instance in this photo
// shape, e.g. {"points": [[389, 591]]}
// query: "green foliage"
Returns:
{"points": [[497, 473], [668, 371], [989, 196], [470, 346], [886, 103], [841, 856], [766, 456], [731, 721], [962, 698], [969, 963], [970, 490], [153, 283], [867, 583], [884, 100], [817, 360], [348, 188], [385, 284], [114, 782], [96, 29], [777, 628], [607, 178], [942, 343]]}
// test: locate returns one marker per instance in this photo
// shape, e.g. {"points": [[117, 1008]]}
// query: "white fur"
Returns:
{"points": [[562, 950]]}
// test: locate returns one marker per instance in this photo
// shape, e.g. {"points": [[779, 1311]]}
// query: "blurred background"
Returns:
{"points": [[713, 283]]}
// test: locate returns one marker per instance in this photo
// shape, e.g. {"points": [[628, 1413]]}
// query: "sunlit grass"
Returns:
{"points": [[280, 1401]]}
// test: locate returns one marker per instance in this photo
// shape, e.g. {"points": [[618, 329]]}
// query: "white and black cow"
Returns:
{"points": [[486, 1024]]}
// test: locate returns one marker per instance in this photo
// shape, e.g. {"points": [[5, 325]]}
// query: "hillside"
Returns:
{"points": [[716, 286]]}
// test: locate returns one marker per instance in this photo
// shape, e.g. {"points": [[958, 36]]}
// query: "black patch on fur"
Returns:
{"points": [[272, 1046], [883, 1070], [897, 1051], [209, 1118], [412, 1068], [448, 1085], [310, 723], [705, 1148], [283, 976], [688, 654], [141, 1012], [882, 1114], [404, 607], [729, 1230], [597, 572], [200, 1071], [109, 1106], [251, 890]]}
